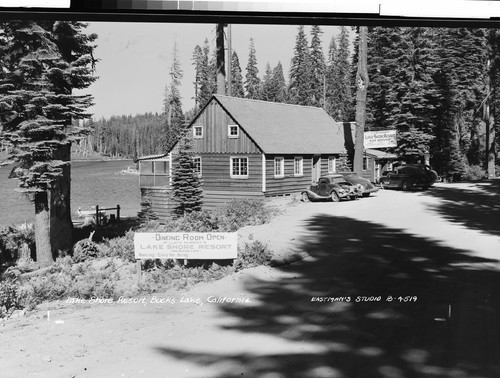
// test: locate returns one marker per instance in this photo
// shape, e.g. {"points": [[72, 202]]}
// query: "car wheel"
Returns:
{"points": [[353, 198], [305, 197], [334, 196], [405, 186], [366, 194]]}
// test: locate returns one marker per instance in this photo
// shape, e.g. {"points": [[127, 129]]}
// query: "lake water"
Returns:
{"points": [[92, 183]]}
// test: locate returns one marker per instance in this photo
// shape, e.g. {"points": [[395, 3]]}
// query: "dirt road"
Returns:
{"points": [[401, 284]]}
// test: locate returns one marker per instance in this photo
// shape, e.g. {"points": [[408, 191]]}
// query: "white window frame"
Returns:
{"points": [[229, 135], [332, 164], [281, 161], [231, 162], [300, 161], [195, 127], [194, 160]]}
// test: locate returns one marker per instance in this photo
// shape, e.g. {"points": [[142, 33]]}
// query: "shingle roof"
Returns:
{"points": [[286, 129]]}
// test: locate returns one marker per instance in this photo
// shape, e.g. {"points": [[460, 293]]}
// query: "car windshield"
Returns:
{"points": [[337, 180]]}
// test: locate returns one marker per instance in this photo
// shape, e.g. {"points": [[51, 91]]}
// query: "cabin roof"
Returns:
{"points": [[284, 128], [154, 157]]}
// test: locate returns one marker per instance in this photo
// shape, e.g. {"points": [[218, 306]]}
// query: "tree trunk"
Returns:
{"points": [[61, 225], [221, 69], [489, 119], [361, 90], [42, 230]]}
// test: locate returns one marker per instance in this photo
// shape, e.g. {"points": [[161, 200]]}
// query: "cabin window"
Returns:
{"points": [[239, 167], [197, 165], [365, 164], [279, 167], [332, 162], [160, 167], [198, 131], [298, 166], [146, 167], [233, 131]]}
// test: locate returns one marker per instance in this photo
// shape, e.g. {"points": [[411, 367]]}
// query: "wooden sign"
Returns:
{"points": [[186, 245]]}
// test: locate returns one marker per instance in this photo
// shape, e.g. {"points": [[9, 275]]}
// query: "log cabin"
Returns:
{"points": [[250, 149]]}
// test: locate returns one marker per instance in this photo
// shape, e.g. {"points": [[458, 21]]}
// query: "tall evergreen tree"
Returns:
{"points": [[41, 63], [267, 85], [252, 82], [236, 76], [207, 76], [339, 101], [186, 185], [172, 106], [317, 82], [198, 74], [300, 71], [331, 105], [278, 84]]}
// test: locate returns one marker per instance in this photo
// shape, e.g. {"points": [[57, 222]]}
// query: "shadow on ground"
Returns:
{"points": [[476, 209], [452, 330]]}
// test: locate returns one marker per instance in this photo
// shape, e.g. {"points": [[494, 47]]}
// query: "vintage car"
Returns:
{"points": [[333, 187], [409, 176], [365, 187]]}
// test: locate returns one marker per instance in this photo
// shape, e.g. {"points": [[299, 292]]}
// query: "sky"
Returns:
{"points": [[135, 59]]}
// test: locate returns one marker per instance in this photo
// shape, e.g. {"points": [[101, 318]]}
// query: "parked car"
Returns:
{"points": [[410, 176], [365, 187], [334, 187]]}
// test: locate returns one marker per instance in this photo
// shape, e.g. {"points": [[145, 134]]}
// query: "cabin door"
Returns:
{"points": [[316, 169]]}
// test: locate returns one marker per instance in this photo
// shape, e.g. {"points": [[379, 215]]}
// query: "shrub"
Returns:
{"points": [[14, 239], [84, 250], [254, 254], [473, 173], [147, 213], [120, 247], [9, 297]]}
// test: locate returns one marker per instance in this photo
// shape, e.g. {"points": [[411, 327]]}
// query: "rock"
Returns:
{"points": [[47, 358]]}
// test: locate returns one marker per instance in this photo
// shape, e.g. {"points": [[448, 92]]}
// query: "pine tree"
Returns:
{"points": [[186, 185], [172, 105], [236, 77], [317, 73], [343, 70], [300, 71], [207, 76], [42, 62], [198, 74], [267, 85], [339, 101], [252, 81], [278, 84]]}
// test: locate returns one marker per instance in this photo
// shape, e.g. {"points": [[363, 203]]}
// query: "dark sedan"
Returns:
{"points": [[410, 176], [365, 187]]}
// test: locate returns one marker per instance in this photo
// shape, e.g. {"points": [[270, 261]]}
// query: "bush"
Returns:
{"points": [[85, 250], [14, 238], [10, 298], [473, 173], [254, 254]]}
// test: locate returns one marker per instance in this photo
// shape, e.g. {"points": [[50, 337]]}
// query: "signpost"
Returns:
{"points": [[380, 139]]}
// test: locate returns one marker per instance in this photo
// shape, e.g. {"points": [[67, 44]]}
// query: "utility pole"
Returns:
{"points": [[361, 90]]}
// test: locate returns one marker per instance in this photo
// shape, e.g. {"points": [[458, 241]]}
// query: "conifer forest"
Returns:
{"points": [[436, 86]]}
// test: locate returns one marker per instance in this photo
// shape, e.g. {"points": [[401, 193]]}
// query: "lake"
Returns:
{"points": [[92, 183]]}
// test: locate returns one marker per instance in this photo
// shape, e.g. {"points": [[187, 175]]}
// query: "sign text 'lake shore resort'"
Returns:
{"points": [[186, 245]]}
